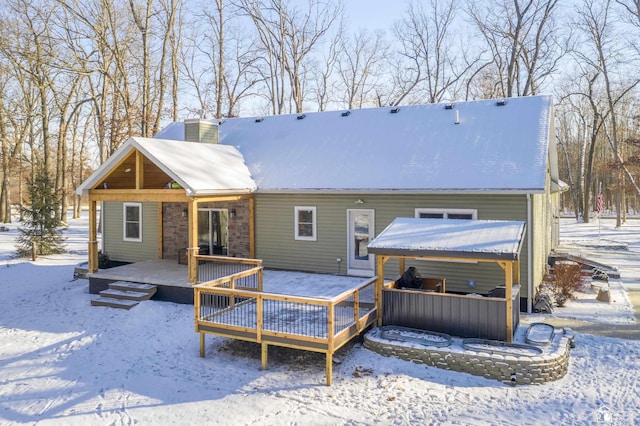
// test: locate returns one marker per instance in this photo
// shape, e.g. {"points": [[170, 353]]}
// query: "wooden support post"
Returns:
{"points": [[93, 237], [265, 355], [401, 265], [202, 347], [380, 261], [329, 368], [508, 272], [193, 250]]}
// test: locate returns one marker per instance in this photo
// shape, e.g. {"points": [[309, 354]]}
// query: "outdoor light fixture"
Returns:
{"points": [[185, 212], [127, 170], [359, 201], [232, 214]]}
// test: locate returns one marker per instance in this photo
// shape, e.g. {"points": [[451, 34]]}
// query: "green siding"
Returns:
{"points": [[129, 251], [276, 246]]}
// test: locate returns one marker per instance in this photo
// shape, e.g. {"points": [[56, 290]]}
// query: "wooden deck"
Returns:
{"points": [[235, 306]]}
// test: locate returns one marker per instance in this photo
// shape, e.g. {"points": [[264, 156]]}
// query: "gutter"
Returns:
{"points": [[529, 257], [314, 191]]}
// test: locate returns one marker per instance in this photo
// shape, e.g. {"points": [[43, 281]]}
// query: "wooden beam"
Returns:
{"points": [[221, 197], [93, 237], [139, 170], [139, 195]]}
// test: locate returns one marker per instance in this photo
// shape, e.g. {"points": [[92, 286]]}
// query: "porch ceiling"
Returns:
{"points": [[124, 175]]}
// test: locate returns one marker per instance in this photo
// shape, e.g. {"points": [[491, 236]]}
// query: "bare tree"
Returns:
{"points": [[288, 35], [602, 50], [437, 64], [522, 36], [219, 61], [362, 58]]}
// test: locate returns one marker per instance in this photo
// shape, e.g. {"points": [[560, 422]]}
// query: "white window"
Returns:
{"points": [[446, 213], [132, 222], [305, 223]]}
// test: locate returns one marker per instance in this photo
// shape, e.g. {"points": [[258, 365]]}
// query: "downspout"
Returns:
{"points": [[529, 256]]}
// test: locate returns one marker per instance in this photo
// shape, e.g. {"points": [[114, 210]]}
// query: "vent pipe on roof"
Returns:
{"points": [[346, 113], [395, 110], [199, 130], [457, 117], [301, 116], [501, 102]]}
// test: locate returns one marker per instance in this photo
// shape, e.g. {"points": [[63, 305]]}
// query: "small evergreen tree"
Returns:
{"points": [[40, 219]]}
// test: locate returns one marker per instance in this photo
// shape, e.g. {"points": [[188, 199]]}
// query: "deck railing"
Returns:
{"points": [[213, 267], [308, 323]]}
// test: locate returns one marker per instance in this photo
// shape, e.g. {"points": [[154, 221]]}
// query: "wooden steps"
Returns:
{"points": [[124, 295]]}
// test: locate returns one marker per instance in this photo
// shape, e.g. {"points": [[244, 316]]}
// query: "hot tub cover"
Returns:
{"points": [[456, 238]]}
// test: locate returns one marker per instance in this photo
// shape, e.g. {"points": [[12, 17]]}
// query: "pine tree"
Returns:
{"points": [[39, 219]]}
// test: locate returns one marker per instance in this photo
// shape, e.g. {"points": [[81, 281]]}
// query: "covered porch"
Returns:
{"points": [[181, 179], [489, 316]]}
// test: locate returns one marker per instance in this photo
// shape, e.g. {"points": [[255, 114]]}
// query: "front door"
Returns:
{"points": [[212, 231], [360, 223]]}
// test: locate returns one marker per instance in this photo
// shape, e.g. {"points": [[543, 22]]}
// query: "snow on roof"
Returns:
{"points": [[418, 148], [201, 169], [477, 239]]}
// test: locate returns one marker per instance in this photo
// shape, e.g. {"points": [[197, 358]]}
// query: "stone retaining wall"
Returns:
{"points": [[551, 365]]}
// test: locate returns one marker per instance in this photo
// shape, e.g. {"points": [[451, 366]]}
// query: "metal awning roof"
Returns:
{"points": [[451, 238]]}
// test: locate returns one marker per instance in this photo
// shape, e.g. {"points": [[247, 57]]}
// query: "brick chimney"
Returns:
{"points": [[199, 130]]}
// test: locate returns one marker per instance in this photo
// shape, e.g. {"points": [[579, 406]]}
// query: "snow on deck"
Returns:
{"points": [[170, 273]]}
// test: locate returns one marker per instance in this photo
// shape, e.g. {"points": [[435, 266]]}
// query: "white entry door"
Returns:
{"points": [[361, 226]]}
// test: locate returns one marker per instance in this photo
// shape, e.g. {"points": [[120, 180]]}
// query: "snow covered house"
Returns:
{"points": [[308, 192]]}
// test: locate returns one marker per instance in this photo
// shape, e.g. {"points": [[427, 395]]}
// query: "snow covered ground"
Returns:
{"points": [[64, 362]]}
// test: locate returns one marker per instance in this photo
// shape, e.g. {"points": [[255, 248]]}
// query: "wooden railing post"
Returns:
{"points": [[356, 309], [330, 343]]}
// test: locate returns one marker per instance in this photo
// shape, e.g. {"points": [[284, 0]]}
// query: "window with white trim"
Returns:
{"points": [[132, 222], [305, 223], [446, 213]]}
